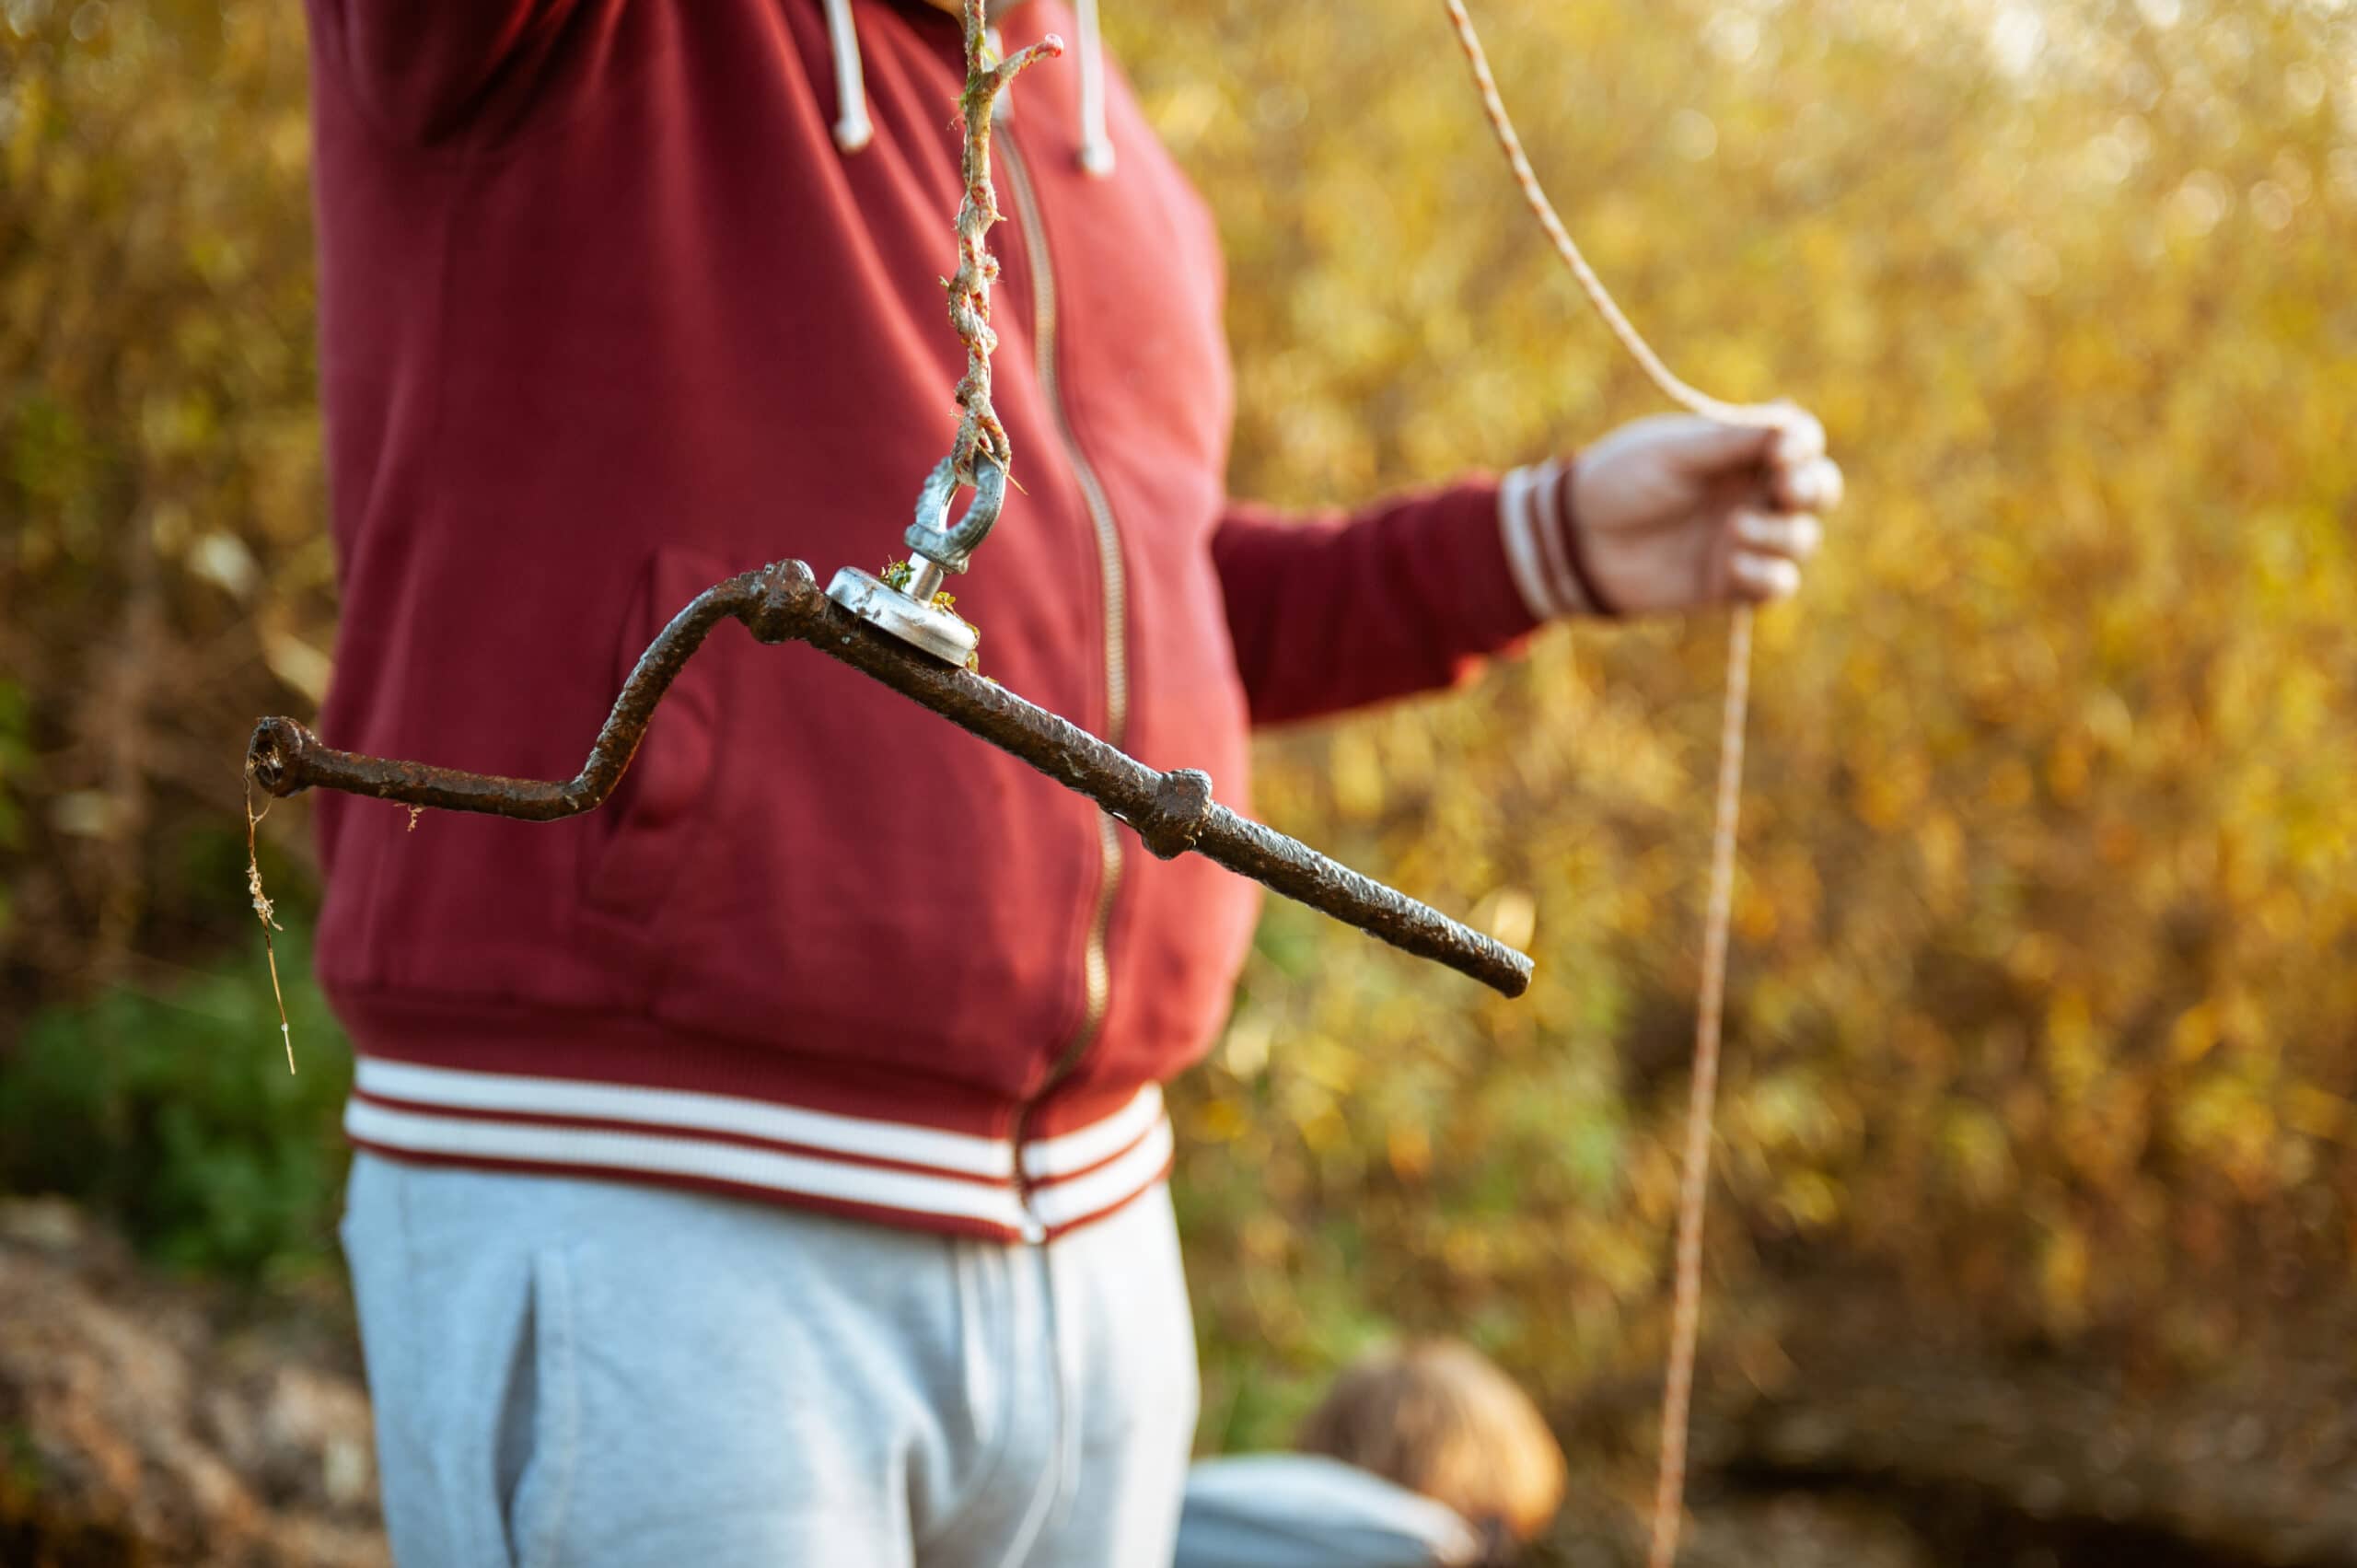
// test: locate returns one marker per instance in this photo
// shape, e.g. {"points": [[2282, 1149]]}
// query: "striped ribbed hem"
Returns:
{"points": [[893, 1172], [1540, 551]]}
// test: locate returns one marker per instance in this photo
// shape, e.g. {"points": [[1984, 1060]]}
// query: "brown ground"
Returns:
{"points": [[147, 1419]]}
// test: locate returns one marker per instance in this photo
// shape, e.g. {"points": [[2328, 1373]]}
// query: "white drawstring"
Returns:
{"points": [[1096, 146], [853, 128]]}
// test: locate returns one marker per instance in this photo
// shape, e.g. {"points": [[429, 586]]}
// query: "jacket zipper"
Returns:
{"points": [[1095, 977]]}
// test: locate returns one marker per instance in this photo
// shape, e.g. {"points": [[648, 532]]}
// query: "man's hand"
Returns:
{"points": [[1677, 512]]}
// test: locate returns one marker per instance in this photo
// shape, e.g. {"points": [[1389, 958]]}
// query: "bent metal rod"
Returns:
{"points": [[1173, 812]]}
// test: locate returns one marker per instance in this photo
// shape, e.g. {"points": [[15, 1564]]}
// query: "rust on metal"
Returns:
{"points": [[1173, 812]]}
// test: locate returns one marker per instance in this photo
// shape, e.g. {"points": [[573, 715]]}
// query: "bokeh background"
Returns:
{"points": [[2036, 1219]]}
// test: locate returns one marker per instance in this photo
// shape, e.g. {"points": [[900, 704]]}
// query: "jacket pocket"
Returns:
{"points": [[645, 829]]}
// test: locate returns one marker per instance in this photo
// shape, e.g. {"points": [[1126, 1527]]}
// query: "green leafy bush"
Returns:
{"points": [[174, 1115]]}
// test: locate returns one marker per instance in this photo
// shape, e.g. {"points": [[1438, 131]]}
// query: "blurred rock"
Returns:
{"points": [[137, 1429]]}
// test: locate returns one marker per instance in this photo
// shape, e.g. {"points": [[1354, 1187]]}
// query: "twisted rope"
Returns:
{"points": [[1693, 1192], [1685, 1312], [980, 434]]}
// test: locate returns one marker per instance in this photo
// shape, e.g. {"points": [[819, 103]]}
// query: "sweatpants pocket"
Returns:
{"points": [[540, 1419]]}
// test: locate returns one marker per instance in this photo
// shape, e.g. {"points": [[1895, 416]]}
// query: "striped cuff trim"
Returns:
{"points": [[1537, 542], [898, 1167]]}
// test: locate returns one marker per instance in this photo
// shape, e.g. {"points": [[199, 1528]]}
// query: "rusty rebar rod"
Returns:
{"points": [[1173, 812]]}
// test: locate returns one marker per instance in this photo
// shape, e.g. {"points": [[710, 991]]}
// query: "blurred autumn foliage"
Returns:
{"points": [[165, 571], [2045, 1004]]}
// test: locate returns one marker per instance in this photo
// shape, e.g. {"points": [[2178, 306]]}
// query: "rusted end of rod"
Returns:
{"points": [[274, 757], [1173, 812]]}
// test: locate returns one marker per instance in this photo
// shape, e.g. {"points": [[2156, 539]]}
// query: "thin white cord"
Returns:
{"points": [[1096, 144], [853, 130]]}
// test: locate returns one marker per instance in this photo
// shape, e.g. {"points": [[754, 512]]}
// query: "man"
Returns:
{"points": [[768, 1167]]}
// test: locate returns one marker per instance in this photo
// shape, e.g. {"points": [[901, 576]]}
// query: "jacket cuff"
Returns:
{"points": [[1542, 542]]}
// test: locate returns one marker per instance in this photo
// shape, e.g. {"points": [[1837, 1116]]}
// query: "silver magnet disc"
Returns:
{"points": [[914, 622]]}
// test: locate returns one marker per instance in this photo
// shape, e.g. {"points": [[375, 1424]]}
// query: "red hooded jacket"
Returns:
{"points": [[608, 315]]}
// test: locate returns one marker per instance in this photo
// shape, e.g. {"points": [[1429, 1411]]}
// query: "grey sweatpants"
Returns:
{"points": [[599, 1375]]}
